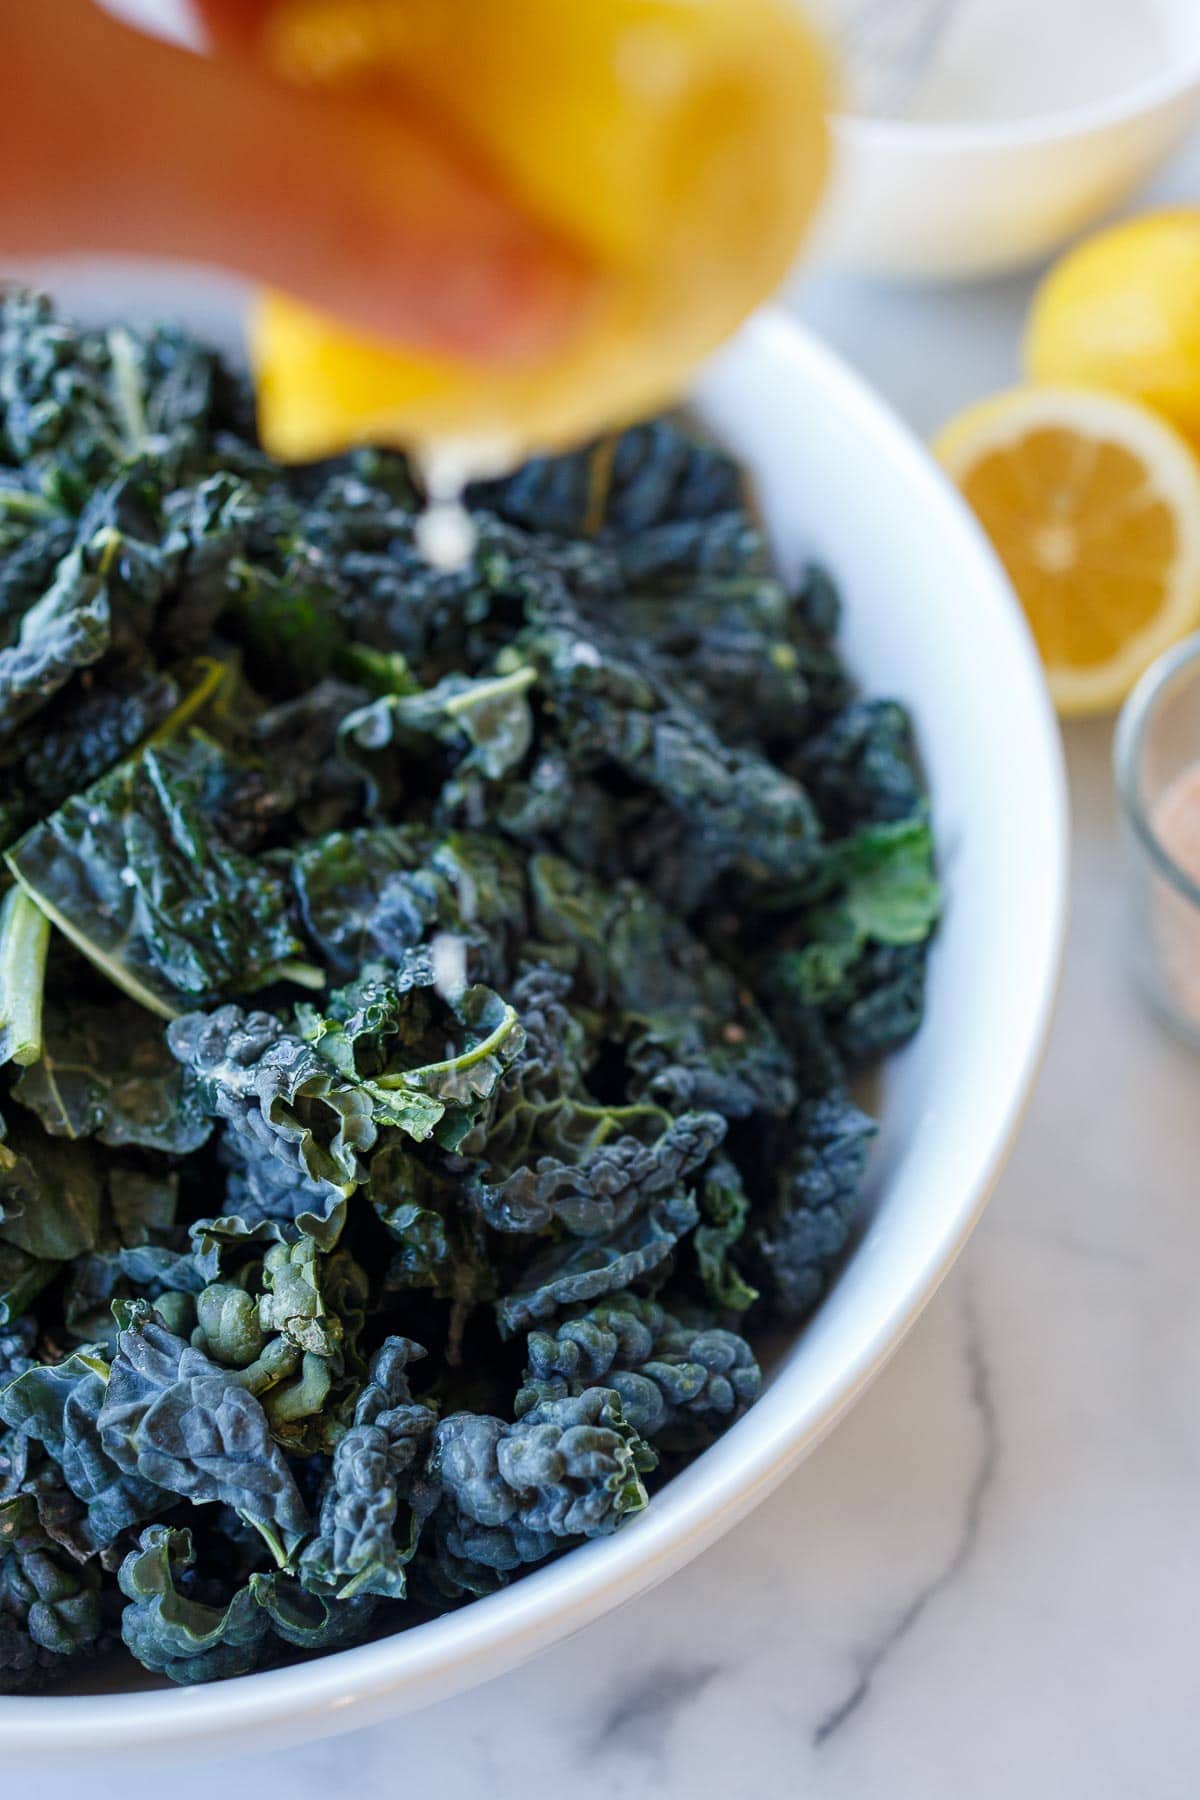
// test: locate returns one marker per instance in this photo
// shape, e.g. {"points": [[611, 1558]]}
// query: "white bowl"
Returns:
{"points": [[933, 201], [930, 618]]}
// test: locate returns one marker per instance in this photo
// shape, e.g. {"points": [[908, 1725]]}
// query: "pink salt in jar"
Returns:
{"points": [[1157, 765]]}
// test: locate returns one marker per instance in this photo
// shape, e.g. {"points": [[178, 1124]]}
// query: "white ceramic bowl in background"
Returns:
{"points": [[930, 618], [948, 201]]}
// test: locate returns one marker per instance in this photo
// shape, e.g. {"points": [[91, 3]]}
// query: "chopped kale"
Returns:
{"points": [[427, 1005]]}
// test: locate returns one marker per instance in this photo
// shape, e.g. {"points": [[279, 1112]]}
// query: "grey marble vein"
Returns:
{"points": [[637, 1723], [871, 1659]]}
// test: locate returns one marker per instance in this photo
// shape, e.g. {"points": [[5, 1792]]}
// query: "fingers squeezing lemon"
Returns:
{"points": [[679, 146]]}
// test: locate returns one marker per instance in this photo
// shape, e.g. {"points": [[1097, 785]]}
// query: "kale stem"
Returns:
{"points": [[127, 389], [600, 474], [481, 692], [467, 1060], [305, 975], [212, 676], [107, 965], [24, 938], [269, 1538], [21, 503]]}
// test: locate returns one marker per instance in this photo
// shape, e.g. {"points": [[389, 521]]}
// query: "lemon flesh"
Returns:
{"points": [[1093, 505], [1123, 312], [679, 145]]}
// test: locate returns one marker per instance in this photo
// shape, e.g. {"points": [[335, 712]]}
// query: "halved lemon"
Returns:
{"points": [[679, 145], [1093, 504]]}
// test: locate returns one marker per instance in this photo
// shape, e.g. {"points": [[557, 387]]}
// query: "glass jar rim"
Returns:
{"points": [[1128, 744]]}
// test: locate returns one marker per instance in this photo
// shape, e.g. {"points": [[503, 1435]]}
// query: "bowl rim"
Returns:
{"points": [[359, 1686], [1152, 94]]}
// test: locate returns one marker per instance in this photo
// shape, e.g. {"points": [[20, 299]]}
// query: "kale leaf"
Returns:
{"points": [[181, 1422], [136, 873]]}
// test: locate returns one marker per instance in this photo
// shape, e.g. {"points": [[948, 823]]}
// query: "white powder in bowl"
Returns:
{"points": [[1021, 59]]}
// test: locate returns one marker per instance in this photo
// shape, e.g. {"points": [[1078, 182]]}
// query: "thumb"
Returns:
{"points": [[113, 142]]}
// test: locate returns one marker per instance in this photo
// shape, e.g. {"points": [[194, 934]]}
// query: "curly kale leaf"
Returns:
{"points": [[50, 1610], [176, 1625], [861, 769], [134, 872], [364, 896], [76, 405], [106, 1072], [288, 618], [180, 1421], [58, 1406], [291, 1325], [650, 475], [86, 729], [312, 1622], [392, 1035], [735, 812], [586, 1270], [859, 958], [392, 740], [16, 1344], [819, 1192], [724, 1214], [679, 1385], [300, 783], [732, 643], [68, 629], [515, 1494], [286, 1112], [50, 1195], [205, 531], [35, 538], [149, 1271], [611, 1181], [437, 1241], [693, 1034], [376, 1497], [22, 1278], [371, 896]]}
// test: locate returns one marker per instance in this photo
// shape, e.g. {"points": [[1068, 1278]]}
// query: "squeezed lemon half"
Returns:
{"points": [[679, 145]]}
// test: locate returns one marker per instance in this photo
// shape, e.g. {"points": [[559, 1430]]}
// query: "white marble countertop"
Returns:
{"points": [[986, 1583]]}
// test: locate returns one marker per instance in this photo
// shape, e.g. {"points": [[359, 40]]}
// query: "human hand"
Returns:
{"points": [[111, 142]]}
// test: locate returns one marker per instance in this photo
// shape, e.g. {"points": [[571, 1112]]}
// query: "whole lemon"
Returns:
{"points": [[1123, 312], [679, 145]]}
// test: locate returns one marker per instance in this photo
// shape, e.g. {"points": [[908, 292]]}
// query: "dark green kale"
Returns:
{"points": [[50, 1612], [58, 1407], [601, 879], [652, 475], [105, 1071], [135, 872], [818, 1193], [182, 1627], [179, 1421], [515, 1493], [377, 1494], [679, 1385], [51, 1194]]}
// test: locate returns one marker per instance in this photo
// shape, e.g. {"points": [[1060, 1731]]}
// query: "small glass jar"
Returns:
{"points": [[1156, 756]]}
